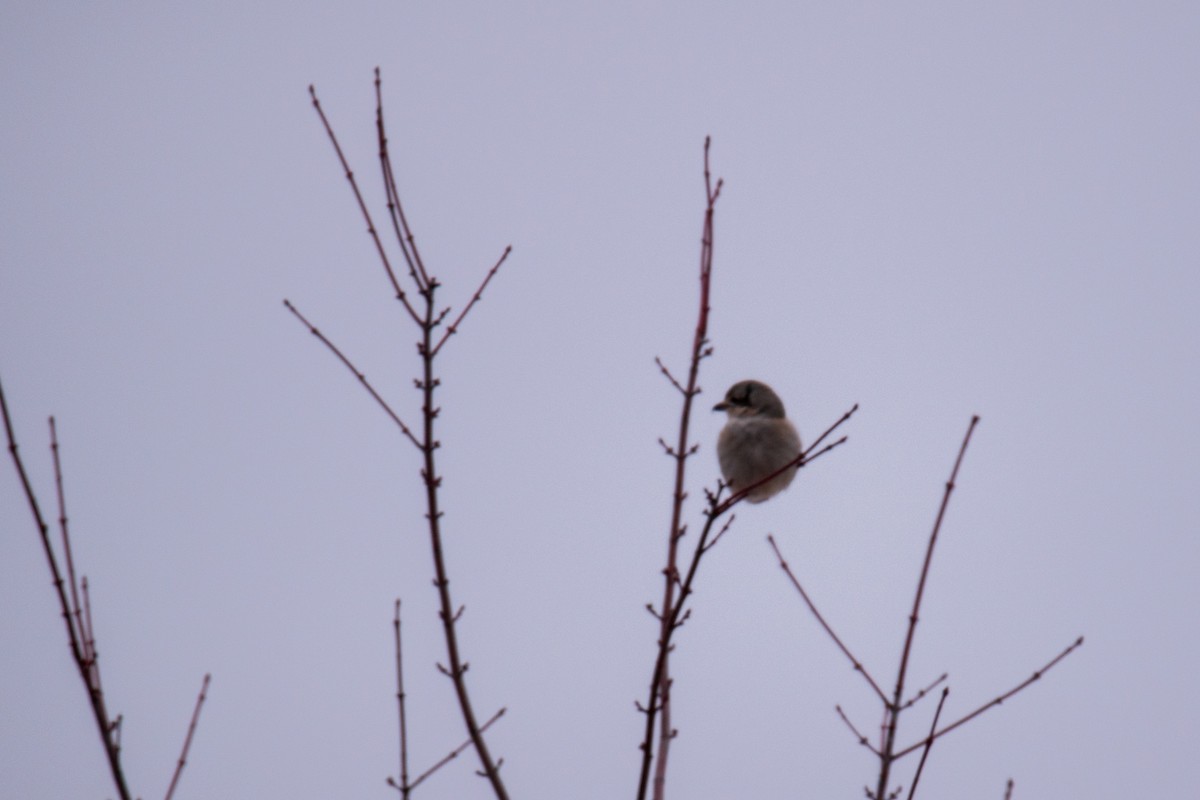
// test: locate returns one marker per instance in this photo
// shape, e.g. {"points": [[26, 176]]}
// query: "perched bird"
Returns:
{"points": [[756, 441]]}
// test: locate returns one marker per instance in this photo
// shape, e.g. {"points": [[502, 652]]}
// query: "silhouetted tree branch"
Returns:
{"points": [[431, 337], [887, 751], [76, 609]]}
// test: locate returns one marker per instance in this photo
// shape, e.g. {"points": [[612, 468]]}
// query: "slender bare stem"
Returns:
{"points": [[72, 581], [187, 742], [889, 746], [1008, 790], [453, 754], [405, 788], [362, 206], [858, 665], [657, 708], [453, 329], [863, 740], [912, 790], [994, 701], [912, 700], [408, 245], [350, 366]]}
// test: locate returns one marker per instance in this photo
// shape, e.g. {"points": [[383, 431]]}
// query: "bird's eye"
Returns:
{"points": [[742, 398]]}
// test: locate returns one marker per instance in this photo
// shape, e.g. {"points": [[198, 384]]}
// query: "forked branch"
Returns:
{"points": [[427, 317], [887, 751], [678, 582], [76, 610]]}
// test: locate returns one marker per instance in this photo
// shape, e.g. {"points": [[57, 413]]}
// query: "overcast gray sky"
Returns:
{"points": [[932, 209]]}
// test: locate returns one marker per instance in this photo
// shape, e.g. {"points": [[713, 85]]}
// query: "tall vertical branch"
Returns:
{"points": [[678, 583], [428, 319], [660, 684], [894, 708]]}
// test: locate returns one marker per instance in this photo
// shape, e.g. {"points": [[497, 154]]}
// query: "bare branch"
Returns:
{"points": [[79, 635], [912, 700], [912, 791], [405, 787], [902, 672], [408, 244], [362, 206], [858, 666], [658, 705], [861, 739], [187, 742], [350, 366], [66, 538], [450, 331], [995, 701], [453, 754], [663, 368]]}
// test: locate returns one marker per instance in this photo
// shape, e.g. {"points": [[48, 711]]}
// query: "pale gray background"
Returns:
{"points": [[934, 209]]}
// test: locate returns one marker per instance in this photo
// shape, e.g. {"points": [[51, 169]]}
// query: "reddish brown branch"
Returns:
{"points": [[912, 700], [187, 742], [663, 368], [994, 701], [427, 319], [863, 740], [902, 673], [858, 665], [404, 786], [78, 631], [362, 206], [453, 329], [353, 369], [657, 708], [66, 538], [912, 790], [408, 244]]}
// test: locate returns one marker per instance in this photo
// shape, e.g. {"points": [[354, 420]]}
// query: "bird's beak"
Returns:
{"points": [[721, 406]]}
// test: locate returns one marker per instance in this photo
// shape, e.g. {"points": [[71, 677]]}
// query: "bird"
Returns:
{"points": [[757, 440]]}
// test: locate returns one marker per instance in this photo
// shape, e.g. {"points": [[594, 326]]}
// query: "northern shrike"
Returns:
{"points": [[756, 441]]}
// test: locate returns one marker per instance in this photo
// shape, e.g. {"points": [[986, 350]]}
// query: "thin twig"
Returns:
{"points": [[995, 701], [408, 244], [861, 739], [405, 787], [350, 366], [187, 742], [450, 331], [362, 206], [912, 700], [63, 529], [858, 665], [1008, 790], [453, 754], [663, 369], [902, 671], [912, 791]]}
